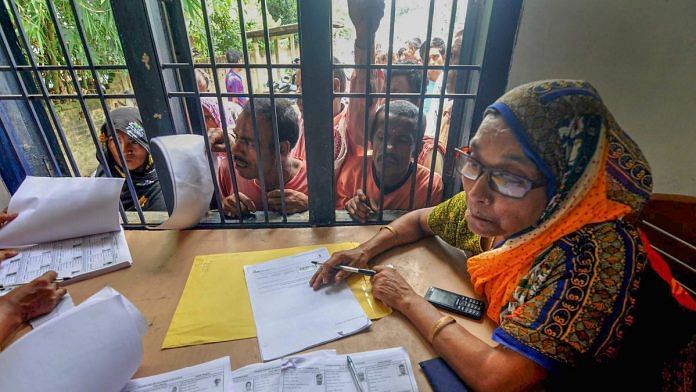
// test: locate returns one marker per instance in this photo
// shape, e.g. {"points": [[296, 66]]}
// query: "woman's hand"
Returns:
{"points": [[34, 299], [391, 288], [356, 257]]}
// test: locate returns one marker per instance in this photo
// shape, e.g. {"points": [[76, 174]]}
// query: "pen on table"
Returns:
{"points": [[12, 286], [354, 270], [353, 372]]}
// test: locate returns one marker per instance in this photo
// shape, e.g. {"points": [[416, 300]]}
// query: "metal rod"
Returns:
{"points": [[109, 124], [208, 151], [450, 36], [23, 89], [49, 67], [274, 119], [257, 138], [423, 88], [44, 91], [78, 90], [385, 133], [223, 119]]}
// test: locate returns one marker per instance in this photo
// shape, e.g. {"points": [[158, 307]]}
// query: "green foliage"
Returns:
{"points": [[224, 28], [283, 11]]}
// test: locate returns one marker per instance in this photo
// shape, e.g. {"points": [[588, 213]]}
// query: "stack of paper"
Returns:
{"points": [[377, 371], [96, 346], [289, 315], [74, 221]]}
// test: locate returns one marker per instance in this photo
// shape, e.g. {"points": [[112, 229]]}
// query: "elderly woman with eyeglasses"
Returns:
{"points": [[547, 180]]}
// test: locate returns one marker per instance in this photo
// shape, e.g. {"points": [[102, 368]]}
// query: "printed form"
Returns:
{"points": [[213, 376], [289, 315], [378, 371]]}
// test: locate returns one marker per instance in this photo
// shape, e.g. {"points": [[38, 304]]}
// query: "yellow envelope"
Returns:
{"points": [[215, 305]]}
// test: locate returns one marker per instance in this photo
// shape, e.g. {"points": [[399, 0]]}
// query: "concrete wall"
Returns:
{"points": [[639, 54]]}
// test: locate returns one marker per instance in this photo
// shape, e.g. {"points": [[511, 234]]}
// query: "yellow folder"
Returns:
{"points": [[215, 306]]}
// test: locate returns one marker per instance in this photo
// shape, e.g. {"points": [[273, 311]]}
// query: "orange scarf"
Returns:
{"points": [[496, 273]]}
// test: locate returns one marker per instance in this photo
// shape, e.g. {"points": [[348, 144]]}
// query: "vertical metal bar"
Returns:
{"points": [[274, 119], [252, 110], [135, 34], [182, 53], [450, 36], [317, 95], [500, 40], [369, 59], [81, 99], [42, 85], [385, 134], [223, 119], [23, 90], [109, 124], [423, 88], [471, 34]]}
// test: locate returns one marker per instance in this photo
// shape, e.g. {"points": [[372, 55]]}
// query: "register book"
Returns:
{"points": [[66, 224]]}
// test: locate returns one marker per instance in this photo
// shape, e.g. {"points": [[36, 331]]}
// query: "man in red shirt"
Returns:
{"points": [[398, 165], [246, 161]]}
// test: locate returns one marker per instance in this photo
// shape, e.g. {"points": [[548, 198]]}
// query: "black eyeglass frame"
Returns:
{"points": [[529, 184]]}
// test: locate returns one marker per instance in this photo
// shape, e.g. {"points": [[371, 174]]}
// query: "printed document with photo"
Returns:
{"points": [[289, 315]]}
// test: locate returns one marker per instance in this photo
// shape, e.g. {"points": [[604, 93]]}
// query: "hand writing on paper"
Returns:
{"points": [[34, 299], [295, 201], [360, 207], [229, 204], [327, 274]]}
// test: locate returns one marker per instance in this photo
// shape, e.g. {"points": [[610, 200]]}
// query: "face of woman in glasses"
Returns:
{"points": [[490, 214]]}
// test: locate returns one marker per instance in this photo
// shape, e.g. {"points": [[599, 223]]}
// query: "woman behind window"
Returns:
{"points": [[136, 151]]}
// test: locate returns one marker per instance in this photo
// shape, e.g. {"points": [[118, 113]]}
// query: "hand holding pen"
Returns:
{"points": [[326, 274]]}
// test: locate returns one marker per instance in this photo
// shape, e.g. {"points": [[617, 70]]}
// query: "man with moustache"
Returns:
{"points": [[246, 161]]}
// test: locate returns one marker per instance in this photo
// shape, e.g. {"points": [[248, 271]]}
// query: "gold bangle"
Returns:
{"points": [[393, 230], [439, 325]]}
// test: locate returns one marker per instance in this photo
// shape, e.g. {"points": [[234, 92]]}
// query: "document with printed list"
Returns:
{"points": [[73, 259], [377, 371], [289, 315]]}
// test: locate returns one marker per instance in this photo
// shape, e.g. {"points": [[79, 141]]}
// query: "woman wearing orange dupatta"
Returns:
{"points": [[548, 180]]}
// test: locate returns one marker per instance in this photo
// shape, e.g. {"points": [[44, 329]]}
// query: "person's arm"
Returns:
{"points": [[408, 228], [24, 303], [480, 366], [365, 15]]}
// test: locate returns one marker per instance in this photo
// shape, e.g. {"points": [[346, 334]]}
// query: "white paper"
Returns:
{"points": [[378, 371], [192, 183], [65, 304], [56, 208], [289, 315], [213, 376], [96, 346], [75, 259]]}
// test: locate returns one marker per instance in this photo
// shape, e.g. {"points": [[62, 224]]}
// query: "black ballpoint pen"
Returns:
{"points": [[354, 270]]}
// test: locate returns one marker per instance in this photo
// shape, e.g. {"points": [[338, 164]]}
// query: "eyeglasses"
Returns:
{"points": [[500, 181]]}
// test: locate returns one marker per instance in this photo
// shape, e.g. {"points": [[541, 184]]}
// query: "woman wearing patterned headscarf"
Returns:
{"points": [[550, 182], [136, 151]]}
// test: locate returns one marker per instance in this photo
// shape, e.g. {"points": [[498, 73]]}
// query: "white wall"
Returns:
{"points": [[639, 54]]}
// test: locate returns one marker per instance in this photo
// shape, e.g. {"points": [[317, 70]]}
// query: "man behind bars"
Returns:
{"points": [[394, 164], [246, 161]]}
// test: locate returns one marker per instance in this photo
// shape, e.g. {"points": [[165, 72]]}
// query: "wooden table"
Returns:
{"points": [[162, 261]]}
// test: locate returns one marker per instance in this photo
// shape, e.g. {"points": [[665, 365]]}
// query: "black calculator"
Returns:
{"points": [[461, 304]]}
